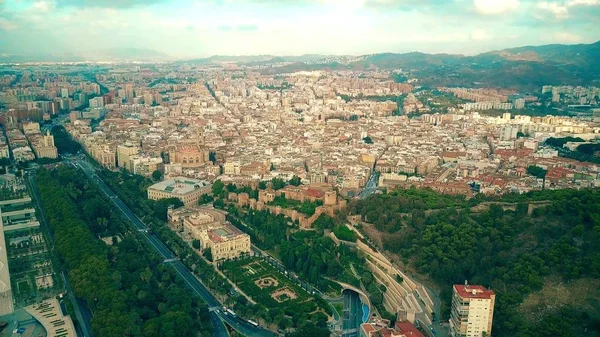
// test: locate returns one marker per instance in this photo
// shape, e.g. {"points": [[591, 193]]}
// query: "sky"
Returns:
{"points": [[200, 28]]}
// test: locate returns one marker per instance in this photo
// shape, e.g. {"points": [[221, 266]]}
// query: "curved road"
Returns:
{"points": [[216, 315]]}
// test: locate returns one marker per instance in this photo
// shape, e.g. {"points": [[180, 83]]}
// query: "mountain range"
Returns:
{"points": [[526, 67]]}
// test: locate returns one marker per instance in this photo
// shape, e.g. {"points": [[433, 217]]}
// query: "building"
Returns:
{"points": [[31, 128], [43, 146], [6, 299], [145, 165], [509, 132], [519, 103], [472, 311], [400, 329], [212, 230], [187, 190], [96, 102], [124, 152], [232, 167], [189, 156]]}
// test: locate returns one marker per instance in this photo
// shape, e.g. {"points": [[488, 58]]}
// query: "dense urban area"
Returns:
{"points": [[228, 197]]}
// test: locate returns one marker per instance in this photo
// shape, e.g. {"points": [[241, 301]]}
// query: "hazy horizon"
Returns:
{"points": [[190, 29]]}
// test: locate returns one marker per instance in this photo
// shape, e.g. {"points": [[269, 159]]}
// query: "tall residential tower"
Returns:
{"points": [[472, 311]]}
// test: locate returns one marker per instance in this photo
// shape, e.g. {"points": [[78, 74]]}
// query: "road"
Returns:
{"points": [[216, 315], [370, 187], [82, 313], [352, 317]]}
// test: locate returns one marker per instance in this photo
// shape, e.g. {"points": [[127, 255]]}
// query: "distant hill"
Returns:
{"points": [[127, 54], [114, 55], [578, 54], [524, 68], [231, 59], [255, 59]]}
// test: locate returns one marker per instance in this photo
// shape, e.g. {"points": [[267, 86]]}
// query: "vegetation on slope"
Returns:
{"points": [[514, 254]]}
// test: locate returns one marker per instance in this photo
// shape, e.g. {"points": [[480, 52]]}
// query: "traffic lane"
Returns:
{"points": [[219, 328], [244, 327]]}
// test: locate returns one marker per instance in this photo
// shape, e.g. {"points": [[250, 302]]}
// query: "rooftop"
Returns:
{"points": [[472, 291], [179, 185], [408, 329]]}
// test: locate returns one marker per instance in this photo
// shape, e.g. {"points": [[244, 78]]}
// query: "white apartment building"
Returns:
{"points": [[472, 311]]}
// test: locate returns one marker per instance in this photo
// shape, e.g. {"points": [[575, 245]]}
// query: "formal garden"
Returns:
{"points": [[269, 287]]}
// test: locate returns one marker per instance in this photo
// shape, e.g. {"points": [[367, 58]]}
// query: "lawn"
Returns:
{"points": [[269, 287]]}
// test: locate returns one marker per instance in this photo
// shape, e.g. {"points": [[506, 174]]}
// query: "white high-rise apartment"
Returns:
{"points": [[472, 311]]}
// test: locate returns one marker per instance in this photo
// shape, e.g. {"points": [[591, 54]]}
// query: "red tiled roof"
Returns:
{"points": [[368, 328], [408, 329], [313, 193], [467, 291]]}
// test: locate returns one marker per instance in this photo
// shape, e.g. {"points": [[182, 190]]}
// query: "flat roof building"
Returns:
{"points": [[187, 190], [472, 311], [6, 299]]}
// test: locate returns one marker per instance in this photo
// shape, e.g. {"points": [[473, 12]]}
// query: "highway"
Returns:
{"points": [[216, 315]]}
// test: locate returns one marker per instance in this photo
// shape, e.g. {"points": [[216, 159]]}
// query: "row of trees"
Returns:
{"points": [[511, 252], [63, 141], [129, 291]]}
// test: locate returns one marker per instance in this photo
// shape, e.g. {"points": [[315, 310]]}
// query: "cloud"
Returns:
{"points": [[570, 8], [480, 35], [489, 7], [43, 6], [7, 24], [107, 3], [564, 37], [247, 28], [558, 11], [583, 2]]}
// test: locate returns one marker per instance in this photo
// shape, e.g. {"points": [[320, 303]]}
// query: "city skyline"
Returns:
{"points": [[187, 29]]}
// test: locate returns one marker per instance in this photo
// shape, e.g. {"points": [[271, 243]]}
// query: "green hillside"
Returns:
{"points": [[544, 267]]}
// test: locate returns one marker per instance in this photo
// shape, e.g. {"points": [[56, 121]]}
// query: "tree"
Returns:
{"points": [[537, 171], [218, 203], [63, 141], [196, 244], [156, 175], [208, 254], [262, 185], [295, 181], [278, 183], [217, 187], [368, 140], [212, 156], [205, 199]]}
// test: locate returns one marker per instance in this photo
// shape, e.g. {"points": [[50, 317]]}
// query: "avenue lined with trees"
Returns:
{"points": [[123, 283]]}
